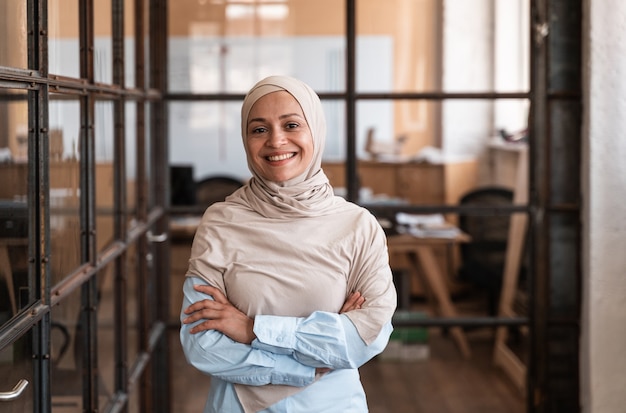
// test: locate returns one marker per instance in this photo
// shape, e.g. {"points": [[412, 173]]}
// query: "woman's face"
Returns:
{"points": [[278, 138]]}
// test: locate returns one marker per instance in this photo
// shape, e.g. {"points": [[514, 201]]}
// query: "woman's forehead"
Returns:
{"points": [[276, 99]]}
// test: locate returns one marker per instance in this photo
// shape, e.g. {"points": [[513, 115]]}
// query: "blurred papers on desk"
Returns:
{"points": [[425, 226]]}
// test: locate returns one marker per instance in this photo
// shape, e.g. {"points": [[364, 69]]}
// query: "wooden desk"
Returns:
{"points": [[420, 253], [419, 183]]}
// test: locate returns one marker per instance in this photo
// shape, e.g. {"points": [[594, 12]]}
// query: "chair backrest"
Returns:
{"points": [[489, 232], [215, 189]]}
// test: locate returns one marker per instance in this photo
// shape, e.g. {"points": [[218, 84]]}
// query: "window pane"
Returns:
{"points": [[65, 231], [13, 39], [396, 45], [129, 43], [104, 173], [16, 363], [14, 223], [227, 47], [408, 154], [132, 304], [103, 42], [131, 158], [106, 334], [67, 335], [63, 45], [485, 46], [146, 39], [147, 153], [422, 46]]}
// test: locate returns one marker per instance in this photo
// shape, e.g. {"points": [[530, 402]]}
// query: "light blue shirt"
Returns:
{"points": [[287, 351]]}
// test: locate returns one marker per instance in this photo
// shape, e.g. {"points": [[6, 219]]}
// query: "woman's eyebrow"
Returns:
{"points": [[256, 120], [286, 115]]}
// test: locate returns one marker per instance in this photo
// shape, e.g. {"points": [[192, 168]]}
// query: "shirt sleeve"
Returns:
{"points": [[321, 340], [216, 354]]}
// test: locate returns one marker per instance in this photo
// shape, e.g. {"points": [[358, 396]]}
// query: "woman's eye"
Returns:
{"points": [[292, 125], [258, 130]]}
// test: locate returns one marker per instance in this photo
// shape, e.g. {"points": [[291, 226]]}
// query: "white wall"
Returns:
{"points": [[467, 67], [485, 48], [603, 362]]}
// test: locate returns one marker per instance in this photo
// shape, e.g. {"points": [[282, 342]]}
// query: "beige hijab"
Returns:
{"points": [[268, 246], [309, 194]]}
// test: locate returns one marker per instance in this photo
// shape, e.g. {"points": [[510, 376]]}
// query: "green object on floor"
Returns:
{"points": [[409, 334]]}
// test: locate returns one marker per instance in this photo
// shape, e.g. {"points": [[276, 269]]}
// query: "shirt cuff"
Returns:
{"points": [[276, 331], [290, 372]]}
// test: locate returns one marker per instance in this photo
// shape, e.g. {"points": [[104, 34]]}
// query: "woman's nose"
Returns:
{"points": [[276, 138]]}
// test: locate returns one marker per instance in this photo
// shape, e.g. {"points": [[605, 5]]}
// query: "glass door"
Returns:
{"points": [[80, 322]]}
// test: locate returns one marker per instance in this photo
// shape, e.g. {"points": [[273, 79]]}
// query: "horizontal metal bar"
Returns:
{"points": [[574, 208], [443, 95], [7, 97], [461, 322], [446, 209], [363, 96], [16, 327]]}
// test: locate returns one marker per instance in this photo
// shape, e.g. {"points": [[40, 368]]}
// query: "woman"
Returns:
{"points": [[289, 289]]}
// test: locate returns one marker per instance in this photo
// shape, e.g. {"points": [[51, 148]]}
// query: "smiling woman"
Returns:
{"points": [[289, 289]]}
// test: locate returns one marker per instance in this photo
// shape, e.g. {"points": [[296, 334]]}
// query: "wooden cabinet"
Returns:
{"points": [[419, 183]]}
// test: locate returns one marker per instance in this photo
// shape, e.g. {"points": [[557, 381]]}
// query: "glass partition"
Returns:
{"points": [[129, 43], [130, 131], [13, 38], [103, 42], [226, 47], [65, 195], [16, 365], [63, 43], [104, 149], [15, 279], [106, 335]]}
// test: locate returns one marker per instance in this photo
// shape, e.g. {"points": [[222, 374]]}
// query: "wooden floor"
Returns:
{"points": [[443, 383]]}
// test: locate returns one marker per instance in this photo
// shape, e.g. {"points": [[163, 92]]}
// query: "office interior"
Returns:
{"points": [[484, 135]]}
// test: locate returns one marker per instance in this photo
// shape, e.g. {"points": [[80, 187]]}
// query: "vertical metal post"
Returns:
{"points": [[119, 201], [142, 200], [38, 199], [88, 316], [537, 195], [161, 194], [352, 180], [555, 202]]}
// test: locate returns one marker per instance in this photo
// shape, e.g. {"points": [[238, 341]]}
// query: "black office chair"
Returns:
{"points": [[483, 258], [215, 188]]}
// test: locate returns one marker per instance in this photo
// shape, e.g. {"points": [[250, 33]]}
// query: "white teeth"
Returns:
{"points": [[280, 157]]}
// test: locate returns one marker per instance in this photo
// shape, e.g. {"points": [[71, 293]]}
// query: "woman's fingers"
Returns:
{"points": [[353, 302], [217, 295], [219, 314], [212, 291], [203, 309]]}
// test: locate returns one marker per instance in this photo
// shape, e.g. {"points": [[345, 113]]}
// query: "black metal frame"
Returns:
{"points": [[150, 368]]}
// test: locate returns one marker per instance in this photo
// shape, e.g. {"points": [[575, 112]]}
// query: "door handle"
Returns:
{"points": [[15, 393], [156, 238]]}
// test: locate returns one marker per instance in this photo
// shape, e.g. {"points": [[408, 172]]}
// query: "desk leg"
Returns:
{"points": [[5, 268], [435, 278]]}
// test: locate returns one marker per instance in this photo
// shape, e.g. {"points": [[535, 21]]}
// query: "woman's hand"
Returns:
{"points": [[353, 302], [219, 314]]}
